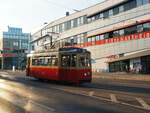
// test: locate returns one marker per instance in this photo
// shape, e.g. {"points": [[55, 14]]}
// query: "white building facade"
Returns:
{"points": [[111, 30]]}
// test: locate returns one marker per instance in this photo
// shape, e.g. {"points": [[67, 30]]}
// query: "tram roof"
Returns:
{"points": [[60, 50]]}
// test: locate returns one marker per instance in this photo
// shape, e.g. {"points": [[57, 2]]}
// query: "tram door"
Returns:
{"points": [[65, 67]]}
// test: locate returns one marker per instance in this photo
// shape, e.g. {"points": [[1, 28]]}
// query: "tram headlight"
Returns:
{"points": [[85, 74]]}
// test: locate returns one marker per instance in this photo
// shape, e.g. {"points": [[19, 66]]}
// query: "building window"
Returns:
{"points": [[130, 30], [121, 32], [102, 37], [106, 35], [84, 19], [72, 24], [106, 14], [90, 39], [93, 39], [115, 33], [146, 1], [60, 28], [139, 28], [7, 43], [139, 2], [97, 38], [89, 20], [57, 29], [24, 45], [121, 8], [63, 26], [69, 24], [75, 22], [146, 27], [15, 44], [116, 10], [110, 12], [97, 16], [101, 15], [129, 5], [110, 34]]}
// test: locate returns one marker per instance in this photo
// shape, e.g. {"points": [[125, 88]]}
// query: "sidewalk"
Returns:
{"points": [[114, 76], [122, 76]]}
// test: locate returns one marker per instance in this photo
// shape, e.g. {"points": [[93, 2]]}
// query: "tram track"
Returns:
{"points": [[132, 99], [124, 98]]}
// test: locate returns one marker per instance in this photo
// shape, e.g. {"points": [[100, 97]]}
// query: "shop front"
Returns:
{"points": [[135, 63]]}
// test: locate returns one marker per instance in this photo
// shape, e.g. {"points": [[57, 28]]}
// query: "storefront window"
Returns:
{"points": [[146, 1], [138, 2], [146, 27]]}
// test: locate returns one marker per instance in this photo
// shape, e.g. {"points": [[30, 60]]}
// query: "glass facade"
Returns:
{"points": [[17, 35], [15, 46]]}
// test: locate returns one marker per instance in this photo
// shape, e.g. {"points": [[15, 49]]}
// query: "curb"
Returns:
{"points": [[137, 77]]}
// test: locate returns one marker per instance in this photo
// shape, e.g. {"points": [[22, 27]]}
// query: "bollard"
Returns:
{"points": [[13, 68]]}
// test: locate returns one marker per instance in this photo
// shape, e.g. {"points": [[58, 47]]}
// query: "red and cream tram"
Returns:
{"points": [[66, 64]]}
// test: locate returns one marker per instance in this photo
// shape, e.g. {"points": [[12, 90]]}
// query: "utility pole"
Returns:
{"points": [[2, 62]]}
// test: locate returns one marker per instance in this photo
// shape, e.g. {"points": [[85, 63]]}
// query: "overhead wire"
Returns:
{"points": [[62, 6]]}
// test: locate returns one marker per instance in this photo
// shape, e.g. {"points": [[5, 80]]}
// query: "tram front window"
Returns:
{"points": [[69, 60], [65, 60], [74, 60], [84, 60]]}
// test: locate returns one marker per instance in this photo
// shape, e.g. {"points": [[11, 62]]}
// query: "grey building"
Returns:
{"points": [[14, 47], [111, 30]]}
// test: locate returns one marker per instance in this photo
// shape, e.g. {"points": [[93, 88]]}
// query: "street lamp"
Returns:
{"points": [[2, 60]]}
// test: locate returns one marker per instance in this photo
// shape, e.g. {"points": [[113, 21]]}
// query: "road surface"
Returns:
{"points": [[21, 94]]}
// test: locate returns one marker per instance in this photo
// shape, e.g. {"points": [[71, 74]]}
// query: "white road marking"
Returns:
{"points": [[113, 98], [143, 103], [91, 93], [31, 104]]}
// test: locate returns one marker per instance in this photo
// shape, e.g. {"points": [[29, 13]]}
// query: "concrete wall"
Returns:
{"points": [[100, 52]]}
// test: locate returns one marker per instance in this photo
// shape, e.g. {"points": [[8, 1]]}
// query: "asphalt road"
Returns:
{"points": [[20, 94]]}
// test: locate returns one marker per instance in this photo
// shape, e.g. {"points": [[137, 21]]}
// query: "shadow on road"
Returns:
{"points": [[44, 84]]}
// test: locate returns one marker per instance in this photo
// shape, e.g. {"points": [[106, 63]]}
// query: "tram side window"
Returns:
{"points": [[34, 61], [45, 61], [65, 60], [81, 61], [87, 64], [54, 61], [74, 60], [49, 62], [39, 62], [84, 60]]}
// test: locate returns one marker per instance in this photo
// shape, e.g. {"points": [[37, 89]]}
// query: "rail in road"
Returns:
{"points": [[116, 97], [137, 100]]}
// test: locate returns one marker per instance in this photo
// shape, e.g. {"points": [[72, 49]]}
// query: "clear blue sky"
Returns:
{"points": [[30, 14]]}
